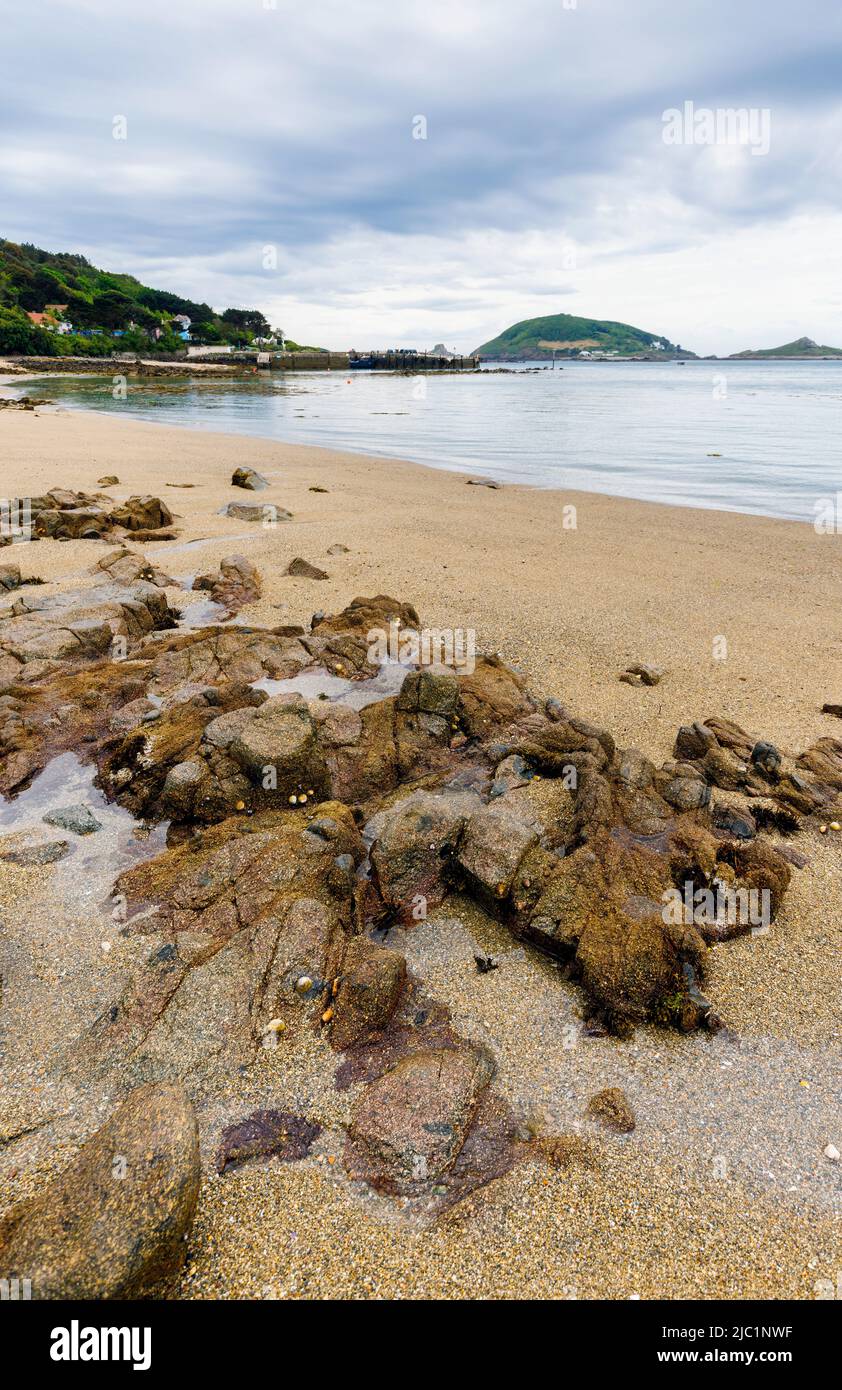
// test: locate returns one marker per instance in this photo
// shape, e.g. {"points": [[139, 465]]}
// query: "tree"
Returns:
{"points": [[112, 309], [19, 334], [250, 320]]}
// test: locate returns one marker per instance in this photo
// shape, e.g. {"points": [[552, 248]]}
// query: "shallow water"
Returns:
{"points": [[743, 436], [320, 684], [94, 860]]}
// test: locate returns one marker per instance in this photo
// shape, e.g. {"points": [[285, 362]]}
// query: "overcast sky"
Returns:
{"points": [[544, 183]]}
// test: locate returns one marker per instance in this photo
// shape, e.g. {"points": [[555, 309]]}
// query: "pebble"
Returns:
{"points": [[831, 1151]]}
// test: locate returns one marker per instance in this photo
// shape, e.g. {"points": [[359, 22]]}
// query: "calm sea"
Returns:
{"points": [[744, 436]]}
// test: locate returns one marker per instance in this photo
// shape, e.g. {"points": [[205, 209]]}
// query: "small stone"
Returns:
{"points": [[612, 1109], [648, 675], [257, 511], [78, 819], [303, 984], [767, 760], [832, 1152], [302, 569], [564, 1151], [9, 577], [37, 854], [248, 478], [834, 825]]}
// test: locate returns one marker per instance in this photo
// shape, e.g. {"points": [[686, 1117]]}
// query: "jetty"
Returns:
{"points": [[214, 363], [408, 360]]}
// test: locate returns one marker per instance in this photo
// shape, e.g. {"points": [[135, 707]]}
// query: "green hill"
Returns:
{"points": [[101, 304], [802, 347], [568, 336]]}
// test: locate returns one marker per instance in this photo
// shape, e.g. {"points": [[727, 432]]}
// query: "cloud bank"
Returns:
{"points": [[272, 159]]}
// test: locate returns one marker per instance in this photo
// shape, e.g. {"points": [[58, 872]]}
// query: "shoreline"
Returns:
{"points": [[561, 612], [394, 459]]}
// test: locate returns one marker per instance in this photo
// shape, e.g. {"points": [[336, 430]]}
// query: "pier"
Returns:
{"points": [[406, 360], [208, 363]]}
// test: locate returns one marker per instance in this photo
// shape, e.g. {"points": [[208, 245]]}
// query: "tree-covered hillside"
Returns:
{"points": [[567, 335], [99, 304]]}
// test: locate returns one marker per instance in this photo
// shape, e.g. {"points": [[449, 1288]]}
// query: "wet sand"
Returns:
{"points": [[723, 1188]]}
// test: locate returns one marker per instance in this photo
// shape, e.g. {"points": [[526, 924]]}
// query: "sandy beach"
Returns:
{"points": [[658, 1214]]}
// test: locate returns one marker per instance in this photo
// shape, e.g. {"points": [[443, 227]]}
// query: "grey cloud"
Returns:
{"points": [[250, 125]]}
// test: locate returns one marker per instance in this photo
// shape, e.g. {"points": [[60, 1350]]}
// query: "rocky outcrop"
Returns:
{"points": [[142, 514], [62, 514], [125, 566], [612, 1109], [439, 774], [266, 513], [114, 1224], [77, 626], [410, 1125], [368, 990], [234, 584], [299, 823], [235, 923]]}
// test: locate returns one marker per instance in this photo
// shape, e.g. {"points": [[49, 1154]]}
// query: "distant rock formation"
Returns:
{"points": [[801, 347], [569, 336]]}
